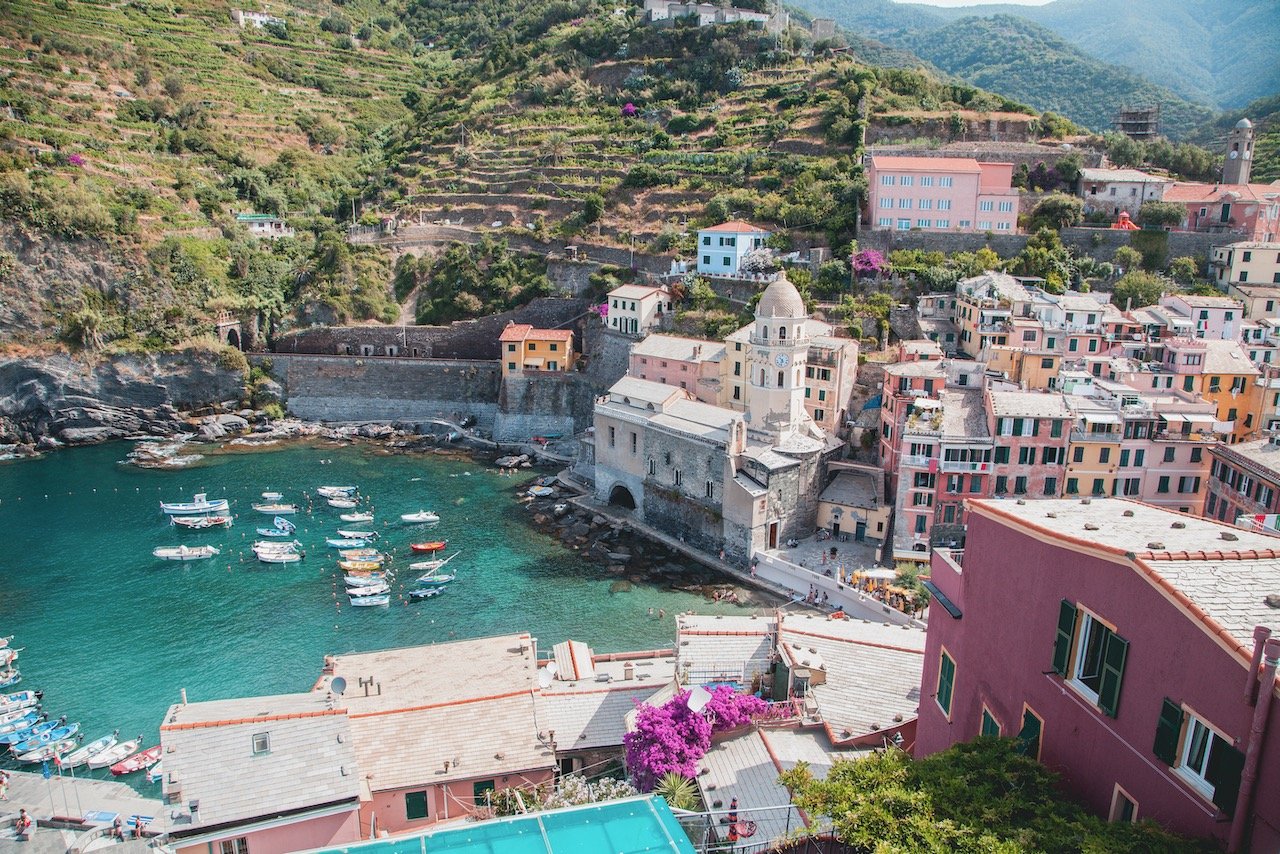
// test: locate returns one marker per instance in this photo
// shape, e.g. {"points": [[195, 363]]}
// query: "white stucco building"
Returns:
{"points": [[722, 247], [638, 309]]}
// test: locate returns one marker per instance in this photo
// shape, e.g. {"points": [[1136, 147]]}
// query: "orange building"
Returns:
{"points": [[525, 348]]}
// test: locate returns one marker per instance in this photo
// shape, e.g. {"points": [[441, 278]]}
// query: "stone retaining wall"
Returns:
{"points": [[1099, 243]]}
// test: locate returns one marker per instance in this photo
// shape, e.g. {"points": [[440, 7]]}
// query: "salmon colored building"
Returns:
{"points": [[525, 348], [940, 194], [1126, 647]]}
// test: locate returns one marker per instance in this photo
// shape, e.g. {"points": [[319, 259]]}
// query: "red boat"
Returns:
{"points": [[136, 762], [436, 546]]}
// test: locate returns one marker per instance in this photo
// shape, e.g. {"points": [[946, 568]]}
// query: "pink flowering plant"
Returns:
{"points": [[869, 262], [629, 109], [672, 737]]}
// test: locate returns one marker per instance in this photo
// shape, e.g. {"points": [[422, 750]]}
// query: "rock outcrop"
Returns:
{"points": [[79, 402]]}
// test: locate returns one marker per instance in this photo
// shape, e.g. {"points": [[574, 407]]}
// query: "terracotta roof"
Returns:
{"points": [[515, 332], [927, 164], [638, 291], [549, 335], [1187, 192], [737, 226]]}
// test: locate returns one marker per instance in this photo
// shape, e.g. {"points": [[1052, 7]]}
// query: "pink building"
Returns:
{"points": [[692, 364], [1030, 430], [904, 383], [1250, 211], [940, 194], [1122, 645], [1218, 318]]}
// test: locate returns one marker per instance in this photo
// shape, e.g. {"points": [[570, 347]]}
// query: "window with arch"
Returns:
{"points": [[781, 377], [763, 381], [782, 332], [766, 332]]}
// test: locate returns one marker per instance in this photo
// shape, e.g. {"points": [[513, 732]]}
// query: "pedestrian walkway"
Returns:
{"points": [[76, 804]]}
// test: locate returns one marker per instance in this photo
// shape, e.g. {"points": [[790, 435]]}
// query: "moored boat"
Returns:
{"points": [[434, 546], [155, 773], [360, 565], [347, 543], [273, 532], [364, 580], [21, 735], [19, 700], [199, 504], [137, 762], [363, 554], [358, 535], [276, 508], [421, 565], [49, 751], [10, 677], [279, 557], [337, 491], [185, 552], [426, 592], [201, 522], [113, 754], [272, 546], [4, 642], [356, 517], [272, 496], [420, 516], [48, 737], [370, 601], [375, 589], [86, 752], [9, 655], [344, 503], [24, 720]]}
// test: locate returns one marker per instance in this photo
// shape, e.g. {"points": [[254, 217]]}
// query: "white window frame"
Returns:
{"points": [[1193, 725], [1087, 621]]}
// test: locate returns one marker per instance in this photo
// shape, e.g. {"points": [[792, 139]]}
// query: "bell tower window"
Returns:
{"points": [[781, 375], [766, 332], [782, 332], [762, 379]]}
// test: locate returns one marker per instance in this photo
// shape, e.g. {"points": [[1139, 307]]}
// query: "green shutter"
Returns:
{"points": [[1066, 631], [1225, 765], [946, 681], [989, 724], [1029, 735], [415, 805], [1113, 657], [1168, 731]]}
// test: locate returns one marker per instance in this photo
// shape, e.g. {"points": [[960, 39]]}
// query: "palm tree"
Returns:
{"points": [[554, 147], [678, 791]]}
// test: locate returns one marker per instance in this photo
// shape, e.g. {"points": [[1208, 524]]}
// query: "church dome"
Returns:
{"points": [[1244, 124], [781, 299]]}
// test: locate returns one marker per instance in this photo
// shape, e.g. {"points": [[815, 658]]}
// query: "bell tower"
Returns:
{"points": [[779, 350], [1235, 169]]}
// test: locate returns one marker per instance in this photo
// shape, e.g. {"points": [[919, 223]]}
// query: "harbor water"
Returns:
{"points": [[112, 634]]}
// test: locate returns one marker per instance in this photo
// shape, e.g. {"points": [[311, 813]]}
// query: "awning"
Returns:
{"points": [[1174, 417], [1101, 418], [1199, 418], [534, 363]]}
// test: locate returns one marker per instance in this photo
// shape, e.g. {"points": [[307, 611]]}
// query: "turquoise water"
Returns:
{"points": [[630, 826], [112, 634]]}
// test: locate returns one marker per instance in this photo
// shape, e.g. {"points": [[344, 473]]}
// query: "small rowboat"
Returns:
{"points": [[358, 535], [272, 496], [201, 522], [432, 564], [434, 546], [541, 491], [370, 601], [114, 754], [363, 554], [337, 491], [200, 504], [275, 546], [425, 592], [90, 750], [356, 517], [432, 579], [20, 735], [19, 700], [280, 557], [185, 552], [277, 509], [377, 588], [364, 580], [347, 543], [9, 678], [156, 773], [21, 721], [49, 751], [359, 565], [137, 762], [273, 532], [46, 738], [344, 503], [420, 516]]}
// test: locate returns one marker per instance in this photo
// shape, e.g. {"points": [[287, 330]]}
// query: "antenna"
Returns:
{"points": [[337, 685], [698, 698]]}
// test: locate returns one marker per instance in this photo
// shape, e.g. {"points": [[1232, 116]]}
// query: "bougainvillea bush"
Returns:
{"points": [[672, 737]]}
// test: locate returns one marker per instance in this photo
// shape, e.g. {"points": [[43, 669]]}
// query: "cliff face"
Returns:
{"points": [[77, 402]]}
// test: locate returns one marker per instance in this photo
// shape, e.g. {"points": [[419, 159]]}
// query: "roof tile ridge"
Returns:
{"points": [[1199, 613]]}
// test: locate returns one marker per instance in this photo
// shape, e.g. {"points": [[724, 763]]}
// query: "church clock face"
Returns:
{"points": [[1233, 154], [781, 360]]}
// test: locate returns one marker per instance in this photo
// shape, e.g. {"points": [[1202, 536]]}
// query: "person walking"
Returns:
{"points": [[4, 785]]}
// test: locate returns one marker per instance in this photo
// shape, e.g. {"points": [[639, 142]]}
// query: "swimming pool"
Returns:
{"points": [[629, 826]]}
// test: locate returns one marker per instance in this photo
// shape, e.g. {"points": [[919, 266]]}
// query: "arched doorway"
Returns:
{"points": [[620, 496], [233, 337]]}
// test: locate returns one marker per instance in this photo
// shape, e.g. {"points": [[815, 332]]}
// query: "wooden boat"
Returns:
{"points": [[420, 516], [365, 580], [19, 700], [45, 738], [199, 504], [15, 714], [49, 751], [279, 557], [377, 588], [433, 546], [273, 532], [272, 546], [20, 735], [356, 517], [277, 508], [360, 565], [363, 554], [20, 722], [541, 491], [425, 592], [370, 601], [421, 565], [114, 754], [83, 754], [336, 491], [201, 522], [436, 579], [272, 496], [347, 543], [10, 677], [358, 535], [185, 552], [344, 503], [137, 762], [281, 527]]}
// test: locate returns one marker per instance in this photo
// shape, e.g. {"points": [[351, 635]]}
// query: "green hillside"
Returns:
{"points": [[1265, 115]]}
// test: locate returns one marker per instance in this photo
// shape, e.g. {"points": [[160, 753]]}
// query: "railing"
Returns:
{"points": [[915, 460], [963, 466], [708, 831], [1088, 436]]}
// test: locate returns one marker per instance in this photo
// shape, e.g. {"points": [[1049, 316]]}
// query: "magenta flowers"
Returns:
{"points": [[671, 737]]}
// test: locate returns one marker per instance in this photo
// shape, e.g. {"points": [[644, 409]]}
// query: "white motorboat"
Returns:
{"points": [[344, 503], [113, 754], [358, 535], [370, 601], [185, 552], [199, 504], [280, 557], [356, 517], [375, 589], [276, 509], [337, 491], [86, 752], [420, 516], [272, 496], [19, 700], [276, 546]]}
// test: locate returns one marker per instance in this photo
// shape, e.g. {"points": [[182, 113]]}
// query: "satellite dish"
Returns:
{"points": [[698, 698], [544, 679], [552, 668], [338, 685]]}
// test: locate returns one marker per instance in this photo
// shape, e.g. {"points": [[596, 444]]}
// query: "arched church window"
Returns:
{"points": [[782, 332], [780, 378]]}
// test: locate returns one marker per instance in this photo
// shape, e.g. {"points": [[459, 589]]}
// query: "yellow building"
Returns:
{"points": [[1093, 455], [1034, 370], [525, 348], [1227, 379]]}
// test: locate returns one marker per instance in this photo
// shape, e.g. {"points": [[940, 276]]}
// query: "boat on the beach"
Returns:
{"points": [[58, 733], [336, 491], [358, 535], [20, 721], [47, 752], [356, 517], [421, 565], [344, 503], [433, 546], [19, 700], [276, 508], [199, 504], [86, 752], [541, 491], [370, 601], [420, 516], [137, 762], [347, 542], [201, 522], [113, 754], [426, 592], [185, 552]]}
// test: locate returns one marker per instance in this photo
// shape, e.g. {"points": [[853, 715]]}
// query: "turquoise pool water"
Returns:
{"points": [[631, 826]]}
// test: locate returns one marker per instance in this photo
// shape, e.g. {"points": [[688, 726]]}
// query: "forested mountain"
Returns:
{"points": [[1265, 115]]}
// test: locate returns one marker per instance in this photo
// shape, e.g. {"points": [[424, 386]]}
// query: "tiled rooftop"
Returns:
{"points": [[678, 348], [637, 291], [737, 226], [1262, 453], [928, 164], [920, 368], [852, 489], [1227, 357], [723, 648], [640, 392], [1028, 404]]}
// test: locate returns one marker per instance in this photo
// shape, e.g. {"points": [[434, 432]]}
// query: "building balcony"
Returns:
{"points": [[1246, 504], [919, 461], [1086, 436], [963, 466]]}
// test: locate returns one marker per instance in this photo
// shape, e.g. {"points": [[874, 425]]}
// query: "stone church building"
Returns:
{"points": [[721, 478]]}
